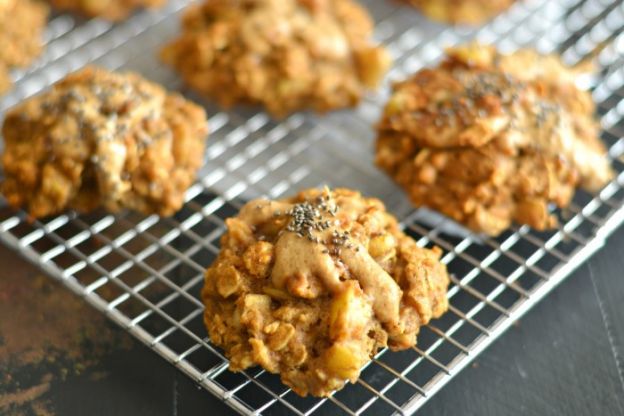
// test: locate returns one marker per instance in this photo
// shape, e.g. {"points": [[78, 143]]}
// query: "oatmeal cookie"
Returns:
{"points": [[286, 55], [311, 287], [114, 10], [489, 139], [22, 23], [102, 139], [471, 12]]}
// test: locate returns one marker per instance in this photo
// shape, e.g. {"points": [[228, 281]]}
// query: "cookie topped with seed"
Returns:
{"points": [[22, 23], [286, 55], [311, 287], [102, 139], [489, 139]]}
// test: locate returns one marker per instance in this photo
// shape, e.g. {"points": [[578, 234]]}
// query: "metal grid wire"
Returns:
{"points": [[145, 273]]}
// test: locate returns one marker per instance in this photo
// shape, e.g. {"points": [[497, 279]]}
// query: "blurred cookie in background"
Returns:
{"points": [[22, 23], [470, 12], [114, 10], [286, 55]]}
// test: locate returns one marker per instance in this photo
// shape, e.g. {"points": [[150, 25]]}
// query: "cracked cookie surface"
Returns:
{"points": [[102, 139], [312, 286]]}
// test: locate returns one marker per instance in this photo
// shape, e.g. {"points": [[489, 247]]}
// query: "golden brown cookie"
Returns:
{"points": [[114, 10], [102, 139], [22, 23], [489, 139], [472, 12], [312, 286], [286, 55]]}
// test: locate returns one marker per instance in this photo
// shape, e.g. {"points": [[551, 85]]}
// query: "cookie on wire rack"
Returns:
{"points": [[489, 139], [102, 139], [312, 286], [22, 23], [286, 55]]}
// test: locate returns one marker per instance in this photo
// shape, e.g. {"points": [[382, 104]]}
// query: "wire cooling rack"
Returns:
{"points": [[145, 273]]}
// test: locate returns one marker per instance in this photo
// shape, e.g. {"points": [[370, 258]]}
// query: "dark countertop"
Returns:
{"points": [[565, 357]]}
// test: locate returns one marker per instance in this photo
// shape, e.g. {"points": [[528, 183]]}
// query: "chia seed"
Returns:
{"points": [[306, 218]]}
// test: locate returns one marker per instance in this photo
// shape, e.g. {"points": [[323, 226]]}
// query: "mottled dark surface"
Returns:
{"points": [[565, 357]]}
